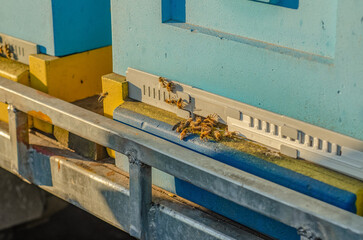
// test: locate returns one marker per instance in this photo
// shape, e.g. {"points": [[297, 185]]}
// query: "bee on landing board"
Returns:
{"points": [[170, 86], [163, 82], [197, 122], [179, 103], [207, 129], [8, 52], [217, 135], [204, 134], [184, 133], [171, 101], [166, 84]]}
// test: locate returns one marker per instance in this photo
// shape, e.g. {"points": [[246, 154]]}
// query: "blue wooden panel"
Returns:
{"points": [[304, 63], [60, 27], [81, 25]]}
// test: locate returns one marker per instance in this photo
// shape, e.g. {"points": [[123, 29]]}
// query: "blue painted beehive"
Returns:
{"points": [[300, 59], [59, 27], [261, 54]]}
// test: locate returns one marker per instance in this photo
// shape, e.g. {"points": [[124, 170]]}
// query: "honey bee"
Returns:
{"points": [[217, 135], [206, 129], [102, 96], [179, 103], [187, 123], [232, 135], [170, 86], [197, 122], [176, 126], [180, 128], [184, 133], [204, 134], [8, 52], [211, 118], [196, 128], [1, 50], [207, 124], [163, 82], [171, 101], [166, 84]]}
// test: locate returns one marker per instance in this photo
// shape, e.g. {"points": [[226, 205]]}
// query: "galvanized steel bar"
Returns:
{"points": [[277, 202], [140, 197], [89, 186], [19, 137], [5, 147]]}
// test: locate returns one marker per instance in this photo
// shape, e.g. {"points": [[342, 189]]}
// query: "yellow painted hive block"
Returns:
{"points": [[73, 77], [15, 71], [69, 78], [114, 90]]}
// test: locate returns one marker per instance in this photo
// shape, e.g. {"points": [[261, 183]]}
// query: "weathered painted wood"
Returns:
{"points": [[305, 63], [59, 27]]}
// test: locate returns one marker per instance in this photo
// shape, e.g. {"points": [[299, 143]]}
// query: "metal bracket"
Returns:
{"points": [[140, 196], [307, 234], [16, 49], [290, 136]]}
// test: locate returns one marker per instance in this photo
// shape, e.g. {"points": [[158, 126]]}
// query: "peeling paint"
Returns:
{"points": [[40, 116]]}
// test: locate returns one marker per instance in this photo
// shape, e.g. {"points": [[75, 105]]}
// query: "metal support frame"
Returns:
{"points": [[140, 196], [299, 211], [90, 186], [19, 137]]}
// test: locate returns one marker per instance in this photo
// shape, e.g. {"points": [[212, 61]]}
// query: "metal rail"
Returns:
{"points": [[312, 218]]}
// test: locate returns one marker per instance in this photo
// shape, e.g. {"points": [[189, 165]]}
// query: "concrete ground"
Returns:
{"points": [[69, 223]]}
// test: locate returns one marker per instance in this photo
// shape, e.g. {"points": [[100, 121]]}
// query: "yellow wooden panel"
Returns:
{"points": [[111, 153], [72, 77], [116, 89], [4, 112], [42, 125], [69, 78], [359, 202], [15, 71], [39, 71]]}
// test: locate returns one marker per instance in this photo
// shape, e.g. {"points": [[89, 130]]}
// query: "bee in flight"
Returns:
{"points": [[102, 96]]}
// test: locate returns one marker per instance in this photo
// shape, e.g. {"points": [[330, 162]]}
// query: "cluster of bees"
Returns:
{"points": [[5, 50], [169, 86], [207, 128]]}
